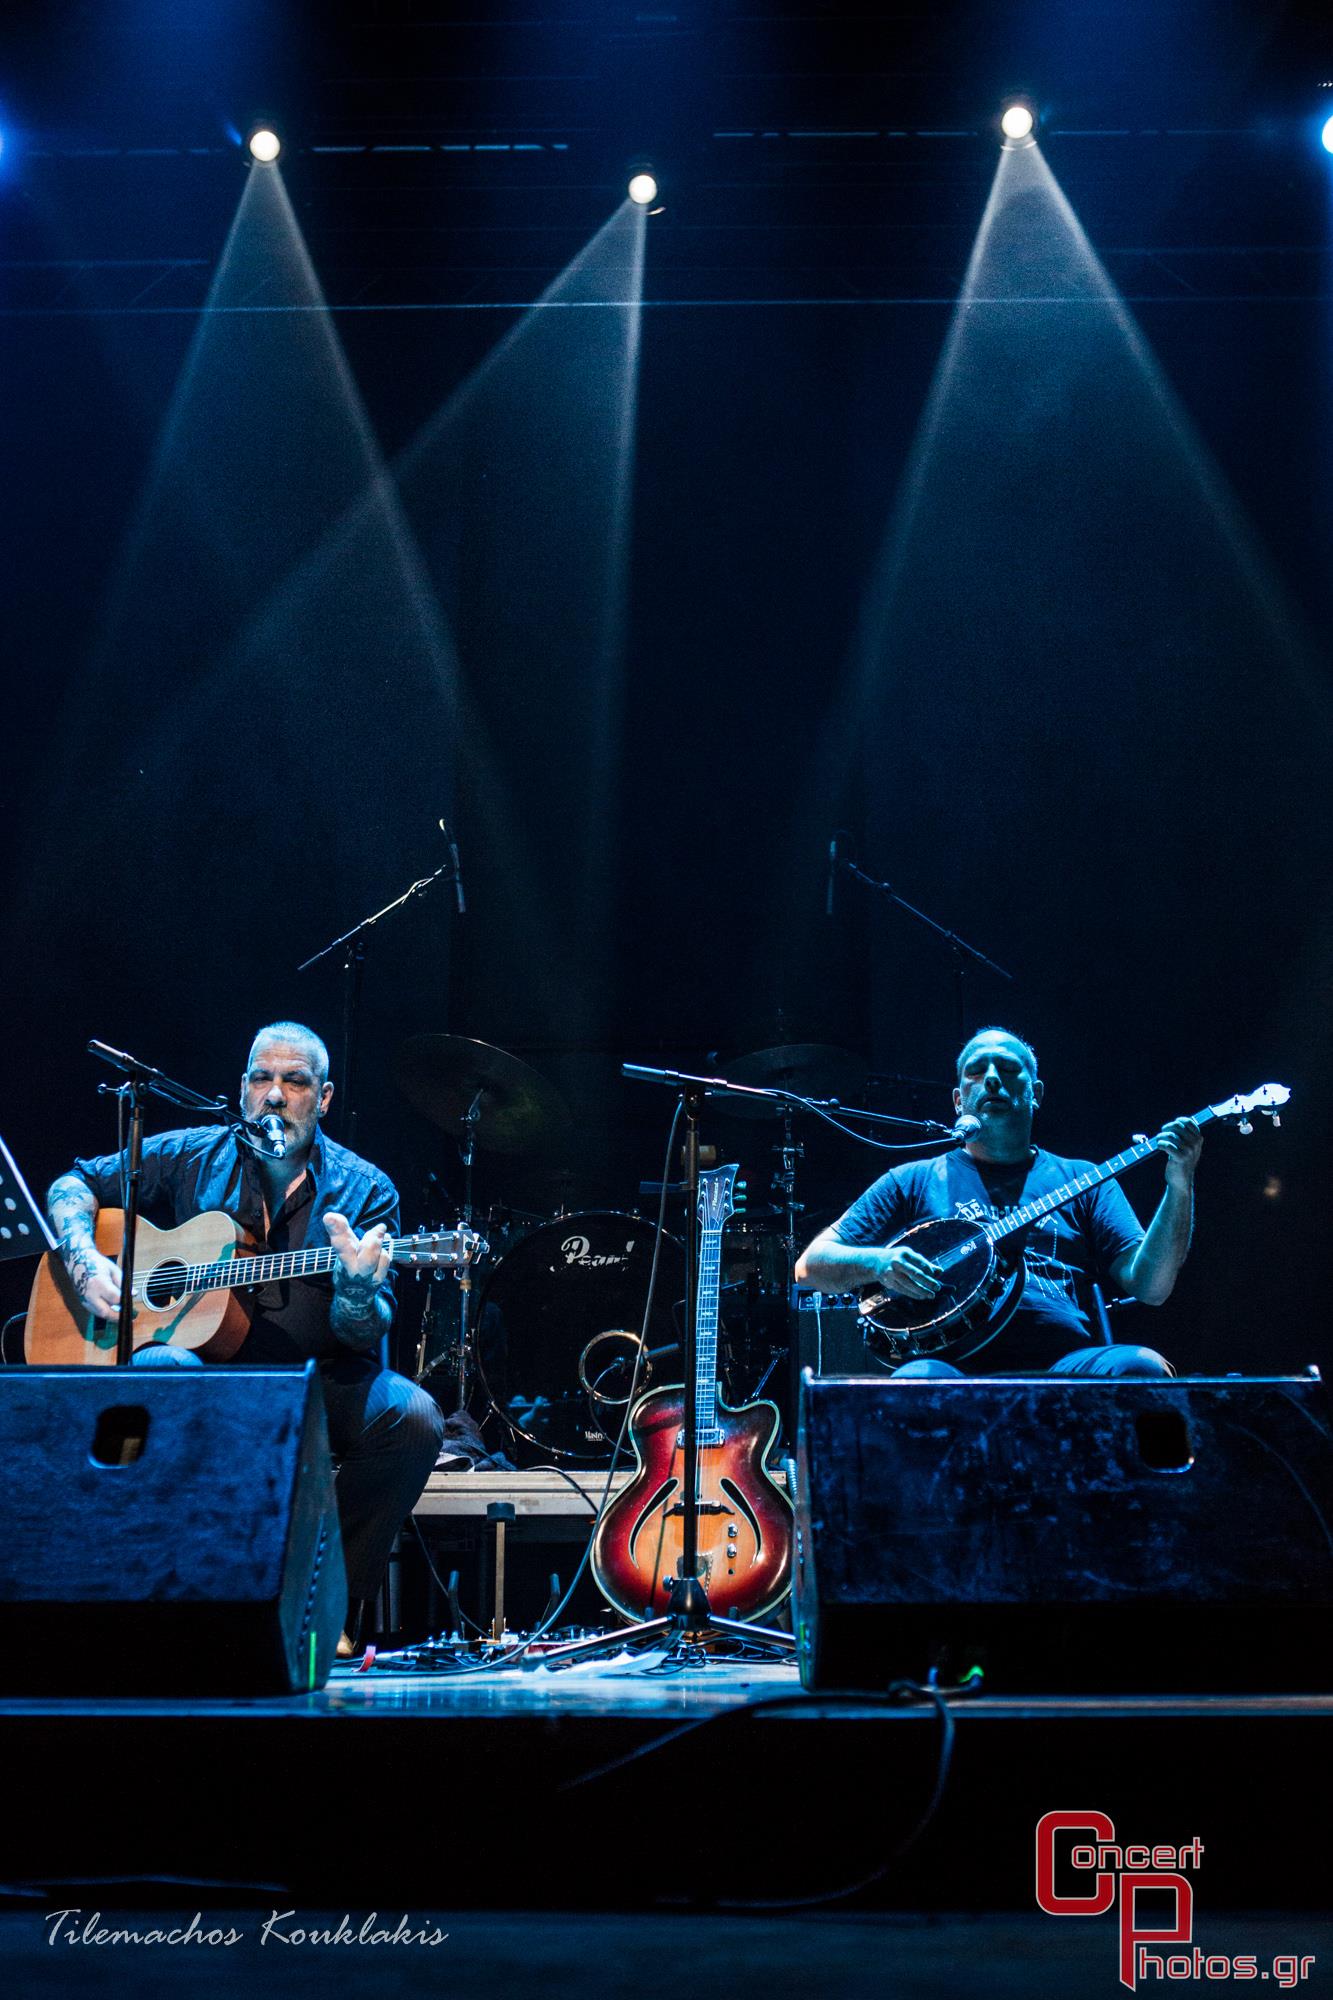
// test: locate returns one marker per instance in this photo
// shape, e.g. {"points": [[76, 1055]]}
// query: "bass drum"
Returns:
{"points": [[559, 1317]]}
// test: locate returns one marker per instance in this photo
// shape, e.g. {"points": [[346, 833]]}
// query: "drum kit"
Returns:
{"points": [[540, 1341]]}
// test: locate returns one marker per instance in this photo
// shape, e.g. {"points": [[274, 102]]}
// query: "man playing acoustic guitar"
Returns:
{"points": [[1094, 1237], [383, 1429]]}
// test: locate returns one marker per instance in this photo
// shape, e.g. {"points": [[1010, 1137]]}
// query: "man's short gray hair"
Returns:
{"points": [[305, 1038]]}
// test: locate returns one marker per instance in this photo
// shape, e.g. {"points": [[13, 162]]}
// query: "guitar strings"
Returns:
{"points": [[294, 1263]]}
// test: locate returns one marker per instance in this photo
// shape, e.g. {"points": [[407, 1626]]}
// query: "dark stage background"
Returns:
{"points": [[1081, 715]]}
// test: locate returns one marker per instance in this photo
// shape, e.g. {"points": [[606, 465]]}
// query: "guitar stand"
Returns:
{"points": [[684, 1633], [689, 1623]]}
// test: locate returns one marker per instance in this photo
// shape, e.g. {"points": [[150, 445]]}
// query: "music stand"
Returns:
{"points": [[24, 1230]]}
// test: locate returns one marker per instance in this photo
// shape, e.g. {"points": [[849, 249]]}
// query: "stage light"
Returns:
{"points": [[1327, 135], [264, 144], [643, 190], [1018, 123]]}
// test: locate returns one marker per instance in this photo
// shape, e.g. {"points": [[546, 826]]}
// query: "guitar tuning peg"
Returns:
{"points": [[1245, 1127], [1275, 1117]]}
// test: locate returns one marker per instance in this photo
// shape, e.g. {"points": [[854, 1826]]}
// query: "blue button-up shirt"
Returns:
{"points": [[203, 1167]]}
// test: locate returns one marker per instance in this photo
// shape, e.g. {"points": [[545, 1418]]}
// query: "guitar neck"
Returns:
{"points": [[1032, 1211], [715, 1205], [705, 1329], [271, 1267]]}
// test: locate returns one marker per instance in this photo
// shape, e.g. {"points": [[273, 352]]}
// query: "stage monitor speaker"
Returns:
{"points": [[167, 1532], [1066, 1534]]}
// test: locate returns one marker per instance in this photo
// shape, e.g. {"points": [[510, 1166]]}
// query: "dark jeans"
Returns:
{"points": [[1120, 1359], [385, 1433]]}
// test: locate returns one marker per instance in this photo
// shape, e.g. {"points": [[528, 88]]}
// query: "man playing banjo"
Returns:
{"points": [[1095, 1237]]}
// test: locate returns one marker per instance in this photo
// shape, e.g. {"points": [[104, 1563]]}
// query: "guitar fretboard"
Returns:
{"points": [[705, 1333], [270, 1268]]}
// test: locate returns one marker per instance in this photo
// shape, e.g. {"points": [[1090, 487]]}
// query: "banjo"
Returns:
{"points": [[981, 1263]]}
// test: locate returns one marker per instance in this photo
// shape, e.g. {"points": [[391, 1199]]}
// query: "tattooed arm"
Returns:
{"points": [[362, 1306], [72, 1207]]}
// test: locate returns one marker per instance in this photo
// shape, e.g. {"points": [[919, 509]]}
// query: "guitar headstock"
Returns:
{"points": [[717, 1199], [1268, 1099], [441, 1246]]}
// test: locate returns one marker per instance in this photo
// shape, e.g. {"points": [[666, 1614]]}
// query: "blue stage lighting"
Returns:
{"points": [[643, 189], [1327, 135], [264, 144]]}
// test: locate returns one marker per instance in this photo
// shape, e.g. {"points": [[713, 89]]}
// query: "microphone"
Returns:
{"points": [[966, 1127], [832, 875], [271, 1127], [453, 856]]}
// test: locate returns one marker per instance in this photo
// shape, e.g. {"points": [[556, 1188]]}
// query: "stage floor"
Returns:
{"points": [[643, 1687], [525, 1955], [634, 1784]]}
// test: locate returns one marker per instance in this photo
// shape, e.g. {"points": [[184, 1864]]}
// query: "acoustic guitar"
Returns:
{"points": [[188, 1284], [982, 1262], [745, 1521]]}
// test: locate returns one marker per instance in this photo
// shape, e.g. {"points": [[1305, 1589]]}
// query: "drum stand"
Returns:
{"points": [[457, 1363], [689, 1621]]}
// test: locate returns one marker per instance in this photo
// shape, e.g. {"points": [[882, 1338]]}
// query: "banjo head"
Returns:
{"points": [[898, 1329]]}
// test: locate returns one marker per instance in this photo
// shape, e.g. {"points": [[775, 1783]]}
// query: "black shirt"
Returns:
{"points": [[1065, 1251], [203, 1167]]}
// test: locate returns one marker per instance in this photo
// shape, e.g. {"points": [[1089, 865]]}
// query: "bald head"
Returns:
{"points": [[998, 1086], [985, 1037]]}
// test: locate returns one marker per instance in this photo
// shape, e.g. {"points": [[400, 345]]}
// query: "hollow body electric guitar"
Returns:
{"points": [[188, 1285], [982, 1262], [745, 1521]]}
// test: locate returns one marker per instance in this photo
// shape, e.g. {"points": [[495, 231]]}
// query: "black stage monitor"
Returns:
{"points": [[167, 1532], [1066, 1534]]}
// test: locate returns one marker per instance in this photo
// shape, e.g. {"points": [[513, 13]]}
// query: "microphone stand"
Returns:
{"points": [[141, 1082], [354, 964], [962, 951], [352, 943]]}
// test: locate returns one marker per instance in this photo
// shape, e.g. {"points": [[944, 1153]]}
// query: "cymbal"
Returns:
{"points": [[443, 1075], [810, 1069]]}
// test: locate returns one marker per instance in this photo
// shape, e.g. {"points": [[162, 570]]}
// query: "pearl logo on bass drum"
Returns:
{"points": [[578, 1250]]}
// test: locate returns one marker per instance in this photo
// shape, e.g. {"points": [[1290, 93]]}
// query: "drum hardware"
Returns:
{"points": [[560, 1290], [460, 1084], [601, 1363], [484, 1097]]}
